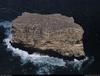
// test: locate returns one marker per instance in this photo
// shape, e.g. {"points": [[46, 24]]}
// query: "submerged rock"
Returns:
{"points": [[45, 32]]}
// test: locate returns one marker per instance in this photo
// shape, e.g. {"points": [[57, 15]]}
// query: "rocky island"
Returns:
{"points": [[48, 32]]}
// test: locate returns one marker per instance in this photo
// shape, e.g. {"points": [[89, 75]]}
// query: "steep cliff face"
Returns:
{"points": [[45, 32]]}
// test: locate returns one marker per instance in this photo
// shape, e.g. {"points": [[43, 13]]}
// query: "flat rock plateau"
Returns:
{"points": [[48, 32]]}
